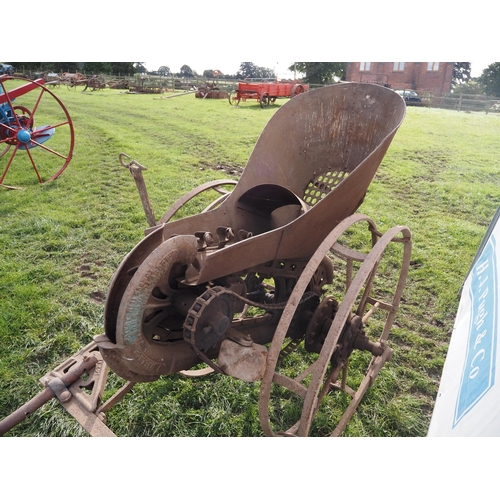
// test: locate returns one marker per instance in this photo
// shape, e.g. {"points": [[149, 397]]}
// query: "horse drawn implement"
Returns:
{"points": [[265, 93], [275, 266]]}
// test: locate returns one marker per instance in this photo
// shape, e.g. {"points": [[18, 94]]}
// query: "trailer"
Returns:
{"points": [[266, 93]]}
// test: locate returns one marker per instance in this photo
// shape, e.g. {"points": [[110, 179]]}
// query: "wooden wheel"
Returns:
{"points": [[264, 100], [337, 330]]}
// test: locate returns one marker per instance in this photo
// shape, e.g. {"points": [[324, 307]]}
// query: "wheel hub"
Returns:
{"points": [[320, 324], [24, 136]]}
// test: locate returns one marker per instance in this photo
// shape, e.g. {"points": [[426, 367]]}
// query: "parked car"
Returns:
{"points": [[7, 69], [410, 96]]}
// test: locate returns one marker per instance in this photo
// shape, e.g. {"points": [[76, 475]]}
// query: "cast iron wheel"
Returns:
{"points": [[344, 333], [264, 100], [151, 314], [296, 90], [234, 98]]}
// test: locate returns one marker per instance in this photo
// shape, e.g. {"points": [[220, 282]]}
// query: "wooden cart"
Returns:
{"points": [[265, 93]]}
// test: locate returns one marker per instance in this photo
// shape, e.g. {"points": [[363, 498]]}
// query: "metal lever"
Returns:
{"points": [[136, 169]]}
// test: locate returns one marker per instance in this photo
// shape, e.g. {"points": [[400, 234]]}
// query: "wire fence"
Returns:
{"points": [[461, 102]]}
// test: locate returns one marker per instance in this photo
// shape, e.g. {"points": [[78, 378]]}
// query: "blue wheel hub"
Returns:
{"points": [[24, 136]]}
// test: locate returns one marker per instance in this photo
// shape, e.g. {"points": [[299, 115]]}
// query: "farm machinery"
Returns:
{"points": [[30, 116], [265, 93], [279, 267]]}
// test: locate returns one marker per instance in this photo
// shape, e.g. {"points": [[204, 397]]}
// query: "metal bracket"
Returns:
{"points": [[136, 169], [83, 397]]}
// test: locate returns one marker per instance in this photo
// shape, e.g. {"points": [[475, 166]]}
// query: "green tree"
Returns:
{"points": [[109, 68], [96, 68], [140, 68], [251, 70], [27, 66], [122, 68], [471, 87], [247, 70], [461, 73], [61, 67], [490, 79], [57, 67], [320, 73], [186, 71], [164, 71]]}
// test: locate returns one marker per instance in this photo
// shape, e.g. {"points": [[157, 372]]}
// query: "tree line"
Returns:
{"points": [[488, 83], [315, 73], [109, 68]]}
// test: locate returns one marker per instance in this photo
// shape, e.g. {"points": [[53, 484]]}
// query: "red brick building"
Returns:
{"points": [[432, 77]]}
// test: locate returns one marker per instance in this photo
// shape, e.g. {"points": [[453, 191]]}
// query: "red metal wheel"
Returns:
{"points": [[36, 132], [234, 98], [296, 90]]}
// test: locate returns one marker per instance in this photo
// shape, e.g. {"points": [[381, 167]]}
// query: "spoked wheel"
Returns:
{"points": [[234, 98], [218, 186], [338, 333], [264, 100], [296, 90], [36, 132]]}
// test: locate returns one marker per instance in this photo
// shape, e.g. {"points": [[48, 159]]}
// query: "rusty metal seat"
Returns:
{"points": [[324, 146]]}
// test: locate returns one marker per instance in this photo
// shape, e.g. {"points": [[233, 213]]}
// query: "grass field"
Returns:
{"points": [[61, 242]]}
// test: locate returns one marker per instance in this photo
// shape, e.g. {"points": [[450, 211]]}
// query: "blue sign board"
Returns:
{"points": [[478, 375]]}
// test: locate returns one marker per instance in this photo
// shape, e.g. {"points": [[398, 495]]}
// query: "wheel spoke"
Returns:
{"points": [[34, 165], [6, 169], [41, 130], [35, 107], [42, 146]]}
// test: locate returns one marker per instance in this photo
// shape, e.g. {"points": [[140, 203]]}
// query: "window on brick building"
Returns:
{"points": [[364, 66], [399, 66], [433, 66]]}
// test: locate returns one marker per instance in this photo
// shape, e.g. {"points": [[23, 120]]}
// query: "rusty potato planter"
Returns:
{"points": [[275, 243]]}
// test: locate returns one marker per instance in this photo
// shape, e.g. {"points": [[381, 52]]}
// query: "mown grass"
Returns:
{"points": [[61, 243]]}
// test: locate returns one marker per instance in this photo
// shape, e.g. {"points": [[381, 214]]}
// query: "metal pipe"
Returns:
{"points": [[46, 395]]}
